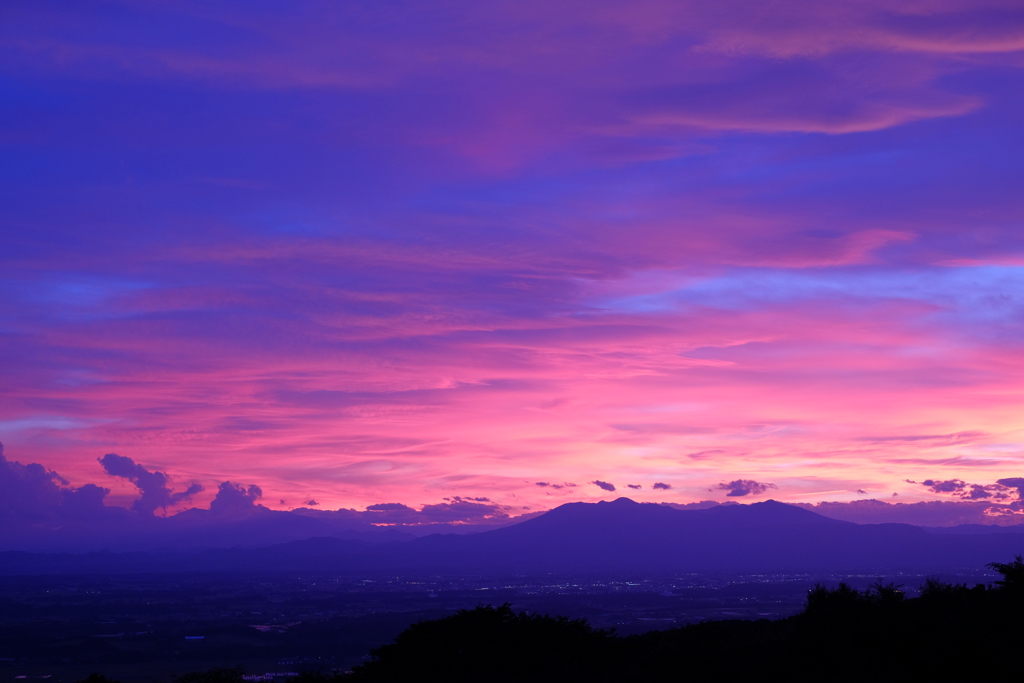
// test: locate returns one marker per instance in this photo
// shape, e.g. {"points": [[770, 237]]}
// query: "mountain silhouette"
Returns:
{"points": [[623, 535], [616, 536]]}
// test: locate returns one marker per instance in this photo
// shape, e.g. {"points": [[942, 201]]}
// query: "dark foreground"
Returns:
{"points": [[153, 628], [951, 631]]}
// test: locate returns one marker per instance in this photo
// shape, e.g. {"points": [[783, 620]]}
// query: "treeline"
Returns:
{"points": [[949, 632]]}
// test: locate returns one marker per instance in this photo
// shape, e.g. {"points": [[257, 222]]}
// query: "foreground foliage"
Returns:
{"points": [[949, 632], [843, 634]]}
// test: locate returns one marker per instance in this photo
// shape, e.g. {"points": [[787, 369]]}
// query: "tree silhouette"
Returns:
{"points": [[222, 675], [1013, 573], [492, 644], [843, 634], [97, 678]]}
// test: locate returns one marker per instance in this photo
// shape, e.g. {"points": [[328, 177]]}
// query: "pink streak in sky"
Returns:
{"points": [[376, 252]]}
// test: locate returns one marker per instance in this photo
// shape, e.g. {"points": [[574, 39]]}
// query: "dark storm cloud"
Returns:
{"points": [[745, 487]]}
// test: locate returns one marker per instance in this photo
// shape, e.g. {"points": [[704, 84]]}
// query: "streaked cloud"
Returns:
{"points": [[480, 251]]}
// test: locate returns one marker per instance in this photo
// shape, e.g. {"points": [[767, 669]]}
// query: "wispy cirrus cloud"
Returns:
{"points": [[463, 248]]}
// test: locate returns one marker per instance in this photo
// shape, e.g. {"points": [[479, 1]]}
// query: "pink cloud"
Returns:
{"points": [[466, 247], [394, 426]]}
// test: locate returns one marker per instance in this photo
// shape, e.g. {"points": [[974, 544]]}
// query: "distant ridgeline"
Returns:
{"points": [[951, 632], [616, 536]]}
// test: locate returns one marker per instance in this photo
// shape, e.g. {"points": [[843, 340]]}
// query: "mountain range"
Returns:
{"points": [[615, 536]]}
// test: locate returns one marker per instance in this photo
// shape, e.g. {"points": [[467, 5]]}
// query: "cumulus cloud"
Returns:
{"points": [[86, 502], [32, 493], [235, 498], [34, 499], [661, 486], [745, 487], [29, 491], [602, 485], [151, 484]]}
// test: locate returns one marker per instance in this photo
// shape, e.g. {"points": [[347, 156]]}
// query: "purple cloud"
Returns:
{"points": [[704, 455], [745, 487], [563, 485], [152, 485], [235, 498], [389, 507], [947, 486], [463, 512], [602, 485], [925, 513], [458, 510], [31, 493], [661, 486], [1013, 483], [962, 489]]}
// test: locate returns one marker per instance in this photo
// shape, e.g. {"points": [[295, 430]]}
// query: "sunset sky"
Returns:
{"points": [[369, 252]]}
